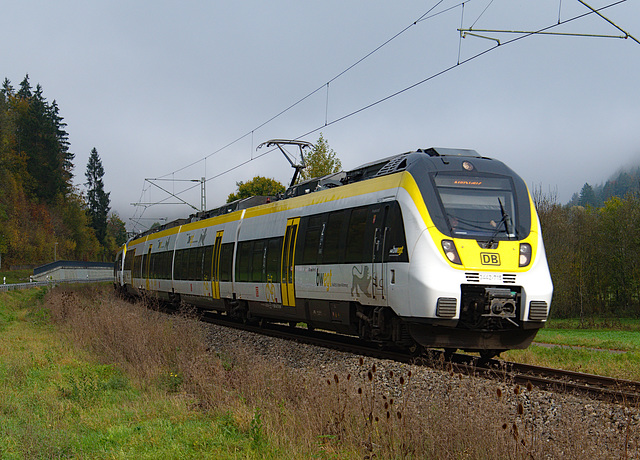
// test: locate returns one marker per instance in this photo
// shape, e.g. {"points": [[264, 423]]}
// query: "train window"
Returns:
{"points": [[478, 207], [355, 236], [147, 266], [158, 265], [395, 246], [226, 261], [320, 243], [166, 265], [128, 259], [333, 253], [177, 270], [312, 240], [191, 264], [197, 271], [180, 262], [208, 261], [152, 265], [258, 261], [137, 264], [161, 265], [274, 254], [243, 261]]}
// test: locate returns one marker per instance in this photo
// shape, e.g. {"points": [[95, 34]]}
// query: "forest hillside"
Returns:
{"points": [[42, 216]]}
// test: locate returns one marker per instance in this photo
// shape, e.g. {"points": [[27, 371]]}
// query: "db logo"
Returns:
{"points": [[490, 259]]}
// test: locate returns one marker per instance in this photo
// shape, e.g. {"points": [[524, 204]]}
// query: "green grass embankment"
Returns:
{"points": [[15, 276], [603, 347], [58, 401]]}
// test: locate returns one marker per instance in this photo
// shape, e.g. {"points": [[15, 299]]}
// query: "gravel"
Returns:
{"points": [[552, 421]]}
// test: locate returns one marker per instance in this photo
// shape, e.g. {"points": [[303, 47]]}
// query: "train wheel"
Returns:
{"points": [[415, 349], [487, 355]]}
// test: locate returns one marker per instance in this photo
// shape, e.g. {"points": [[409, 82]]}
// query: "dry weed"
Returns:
{"points": [[365, 414]]}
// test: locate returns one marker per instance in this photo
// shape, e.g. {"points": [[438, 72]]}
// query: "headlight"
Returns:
{"points": [[525, 254], [451, 252]]}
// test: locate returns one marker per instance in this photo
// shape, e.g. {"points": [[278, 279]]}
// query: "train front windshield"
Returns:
{"points": [[478, 207]]}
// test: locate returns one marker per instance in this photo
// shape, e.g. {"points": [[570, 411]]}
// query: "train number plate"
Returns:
{"points": [[491, 277]]}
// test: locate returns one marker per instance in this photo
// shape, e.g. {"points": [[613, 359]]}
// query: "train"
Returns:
{"points": [[432, 248]]}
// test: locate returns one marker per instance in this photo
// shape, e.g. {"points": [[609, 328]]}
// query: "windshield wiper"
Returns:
{"points": [[505, 218]]}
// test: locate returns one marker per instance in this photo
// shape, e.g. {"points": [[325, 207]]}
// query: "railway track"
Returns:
{"points": [[557, 380], [600, 387]]}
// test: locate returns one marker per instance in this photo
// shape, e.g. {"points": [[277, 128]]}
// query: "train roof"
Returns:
{"points": [[382, 167]]}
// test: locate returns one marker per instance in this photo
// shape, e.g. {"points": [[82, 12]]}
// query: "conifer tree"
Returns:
{"points": [[42, 141], [25, 88], [97, 199], [587, 196]]}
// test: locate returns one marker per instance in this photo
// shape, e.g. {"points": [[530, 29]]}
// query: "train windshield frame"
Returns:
{"points": [[478, 207]]}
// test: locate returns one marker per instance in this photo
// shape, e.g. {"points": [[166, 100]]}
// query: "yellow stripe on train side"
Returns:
{"points": [[392, 181]]}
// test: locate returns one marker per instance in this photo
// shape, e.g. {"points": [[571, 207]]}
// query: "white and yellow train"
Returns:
{"points": [[438, 247]]}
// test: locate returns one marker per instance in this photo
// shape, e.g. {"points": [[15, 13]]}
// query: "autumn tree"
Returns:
{"points": [[97, 198], [41, 213], [116, 229], [322, 160], [258, 186]]}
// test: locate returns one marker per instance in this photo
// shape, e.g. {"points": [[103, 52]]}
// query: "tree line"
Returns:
{"points": [[593, 254], [42, 215], [622, 184]]}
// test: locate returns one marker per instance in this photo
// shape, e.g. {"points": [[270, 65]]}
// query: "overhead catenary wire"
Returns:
{"points": [[450, 68], [524, 34], [610, 21], [425, 16], [325, 85], [431, 77]]}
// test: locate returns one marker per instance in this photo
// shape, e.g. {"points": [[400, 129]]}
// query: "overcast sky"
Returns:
{"points": [[156, 86]]}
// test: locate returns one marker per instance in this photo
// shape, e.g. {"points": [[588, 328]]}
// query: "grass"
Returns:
{"points": [[618, 324], [60, 401], [592, 338], [587, 347], [15, 276], [87, 375], [617, 365]]}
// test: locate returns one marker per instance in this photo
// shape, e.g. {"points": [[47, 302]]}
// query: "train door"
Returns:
{"points": [[215, 279], [377, 220], [127, 275], [147, 264], [287, 265]]}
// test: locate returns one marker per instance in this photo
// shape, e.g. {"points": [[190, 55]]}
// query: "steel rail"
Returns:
{"points": [[609, 389]]}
